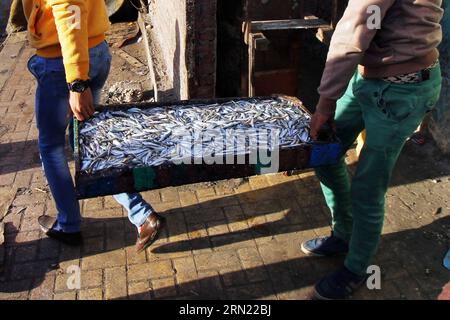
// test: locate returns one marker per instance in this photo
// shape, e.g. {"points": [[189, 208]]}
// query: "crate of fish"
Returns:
{"points": [[139, 147]]}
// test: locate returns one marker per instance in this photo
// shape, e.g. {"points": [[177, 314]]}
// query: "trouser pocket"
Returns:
{"points": [[36, 66]]}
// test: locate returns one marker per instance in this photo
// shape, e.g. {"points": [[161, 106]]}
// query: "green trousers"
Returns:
{"points": [[389, 113]]}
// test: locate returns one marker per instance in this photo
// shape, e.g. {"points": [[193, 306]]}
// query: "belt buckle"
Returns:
{"points": [[425, 74]]}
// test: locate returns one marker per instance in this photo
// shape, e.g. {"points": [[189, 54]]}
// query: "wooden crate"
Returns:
{"points": [[114, 181]]}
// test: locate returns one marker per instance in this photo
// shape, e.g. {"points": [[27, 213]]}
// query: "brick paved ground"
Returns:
{"points": [[222, 242]]}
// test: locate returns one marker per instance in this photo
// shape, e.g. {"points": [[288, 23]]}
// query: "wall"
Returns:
{"points": [[185, 32], [202, 48], [169, 27]]}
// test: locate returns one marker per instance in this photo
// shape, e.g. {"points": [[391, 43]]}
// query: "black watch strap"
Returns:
{"points": [[79, 85]]}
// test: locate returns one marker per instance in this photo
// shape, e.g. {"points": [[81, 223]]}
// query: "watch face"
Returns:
{"points": [[78, 87]]}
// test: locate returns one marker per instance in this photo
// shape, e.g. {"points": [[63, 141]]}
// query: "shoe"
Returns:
{"points": [[47, 225], [339, 285], [149, 231], [325, 246]]}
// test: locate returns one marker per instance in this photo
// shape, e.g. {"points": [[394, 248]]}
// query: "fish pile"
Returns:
{"points": [[154, 136]]}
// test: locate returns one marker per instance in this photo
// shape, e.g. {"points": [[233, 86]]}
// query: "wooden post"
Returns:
{"points": [[143, 26]]}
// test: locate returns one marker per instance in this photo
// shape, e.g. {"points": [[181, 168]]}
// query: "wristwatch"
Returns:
{"points": [[79, 85]]}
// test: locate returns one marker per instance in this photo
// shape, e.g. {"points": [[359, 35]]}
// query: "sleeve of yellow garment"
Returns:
{"points": [[71, 18]]}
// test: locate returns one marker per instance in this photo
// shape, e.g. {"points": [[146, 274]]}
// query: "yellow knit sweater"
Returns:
{"points": [[67, 28]]}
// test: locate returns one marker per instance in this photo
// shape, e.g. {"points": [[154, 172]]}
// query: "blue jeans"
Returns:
{"points": [[53, 117]]}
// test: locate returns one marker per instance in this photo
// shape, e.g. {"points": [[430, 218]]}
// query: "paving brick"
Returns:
{"points": [[187, 284], [232, 241], [205, 192], [242, 188], [92, 229], [306, 293], [139, 290], [22, 179], [294, 213], [161, 269], [201, 246], [29, 223], [25, 253], [61, 282], [409, 288], [169, 195], [272, 253], [210, 286], [115, 283], [222, 189], [216, 261], [133, 257], [185, 265], [69, 256], [93, 245], [251, 291], [164, 288], [7, 95], [187, 198], [152, 197], [30, 199], [171, 250], [104, 260], [103, 213], [91, 294], [204, 215], [93, 204], [197, 230], [138, 272], [237, 220], [165, 207], [92, 278], [44, 289], [233, 277], [176, 225], [217, 228], [35, 211], [218, 201], [15, 290], [111, 203], [393, 270], [115, 235], [65, 296], [7, 179], [253, 264], [29, 270], [258, 182], [11, 225]]}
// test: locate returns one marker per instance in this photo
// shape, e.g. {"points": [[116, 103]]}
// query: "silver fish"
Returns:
{"points": [[151, 137]]}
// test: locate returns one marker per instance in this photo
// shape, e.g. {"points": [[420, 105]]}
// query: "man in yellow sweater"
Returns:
{"points": [[71, 66]]}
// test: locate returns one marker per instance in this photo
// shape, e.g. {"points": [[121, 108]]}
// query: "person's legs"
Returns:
{"points": [[334, 179], [52, 114], [391, 114], [100, 62]]}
